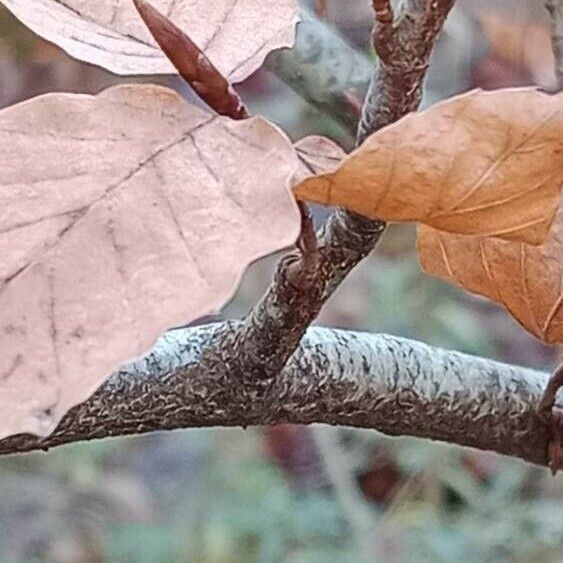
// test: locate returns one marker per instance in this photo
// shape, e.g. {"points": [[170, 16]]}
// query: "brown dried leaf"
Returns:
{"points": [[527, 280], [122, 215], [236, 35], [488, 163]]}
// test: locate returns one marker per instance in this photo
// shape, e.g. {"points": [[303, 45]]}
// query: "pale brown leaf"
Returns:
{"points": [[122, 215], [527, 280], [236, 35], [487, 163], [317, 155]]}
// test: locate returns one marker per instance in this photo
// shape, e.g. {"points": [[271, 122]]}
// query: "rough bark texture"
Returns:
{"points": [[403, 50], [391, 384], [273, 329], [266, 370]]}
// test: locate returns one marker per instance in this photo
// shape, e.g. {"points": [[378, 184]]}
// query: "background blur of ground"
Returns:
{"points": [[293, 494]]}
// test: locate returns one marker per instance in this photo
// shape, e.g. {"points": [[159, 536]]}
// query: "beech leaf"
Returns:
{"points": [[236, 35], [526, 280], [488, 163], [122, 215], [317, 155]]}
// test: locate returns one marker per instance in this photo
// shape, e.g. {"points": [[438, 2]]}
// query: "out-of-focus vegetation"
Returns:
{"points": [[270, 495]]}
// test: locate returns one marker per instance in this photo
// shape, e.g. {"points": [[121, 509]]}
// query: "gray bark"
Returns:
{"points": [[390, 384], [263, 370]]}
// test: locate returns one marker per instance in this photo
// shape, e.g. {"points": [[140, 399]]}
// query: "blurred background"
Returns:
{"points": [[305, 494]]}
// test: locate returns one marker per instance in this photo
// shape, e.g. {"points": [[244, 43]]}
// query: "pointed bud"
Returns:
{"points": [[192, 63]]}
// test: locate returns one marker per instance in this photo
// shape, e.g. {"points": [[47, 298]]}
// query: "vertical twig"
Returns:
{"points": [[555, 8], [353, 504], [272, 330], [403, 51], [383, 11]]}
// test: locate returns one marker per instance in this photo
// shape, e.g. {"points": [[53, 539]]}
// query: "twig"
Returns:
{"points": [[383, 11], [403, 55], [308, 246], [555, 8], [353, 504]]}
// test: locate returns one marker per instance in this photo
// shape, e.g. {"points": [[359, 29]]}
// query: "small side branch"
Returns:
{"points": [[272, 330], [383, 12], [403, 51]]}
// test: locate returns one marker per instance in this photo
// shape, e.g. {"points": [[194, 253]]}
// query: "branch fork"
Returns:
{"points": [[270, 367]]}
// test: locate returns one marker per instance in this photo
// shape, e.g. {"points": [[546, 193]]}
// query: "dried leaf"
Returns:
{"points": [[317, 155], [122, 215], [236, 35], [527, 280], [488, 163]]}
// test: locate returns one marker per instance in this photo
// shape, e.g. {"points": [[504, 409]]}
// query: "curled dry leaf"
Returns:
{"points": [[527, 280], [236, 35], [122, 215], [488, 163], [317, 155]]}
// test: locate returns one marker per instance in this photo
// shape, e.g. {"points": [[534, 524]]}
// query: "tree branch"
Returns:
{"points": [[390, 384], [260, 371], [274, 327]]}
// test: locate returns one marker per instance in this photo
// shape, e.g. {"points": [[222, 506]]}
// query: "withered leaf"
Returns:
{"points": [[488, 163], [236, 35], [317, 155], [122, 215], [527, 280]]}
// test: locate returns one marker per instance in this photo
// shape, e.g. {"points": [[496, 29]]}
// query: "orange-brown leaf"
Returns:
{"points": [[487, 163], [527, 280]]}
